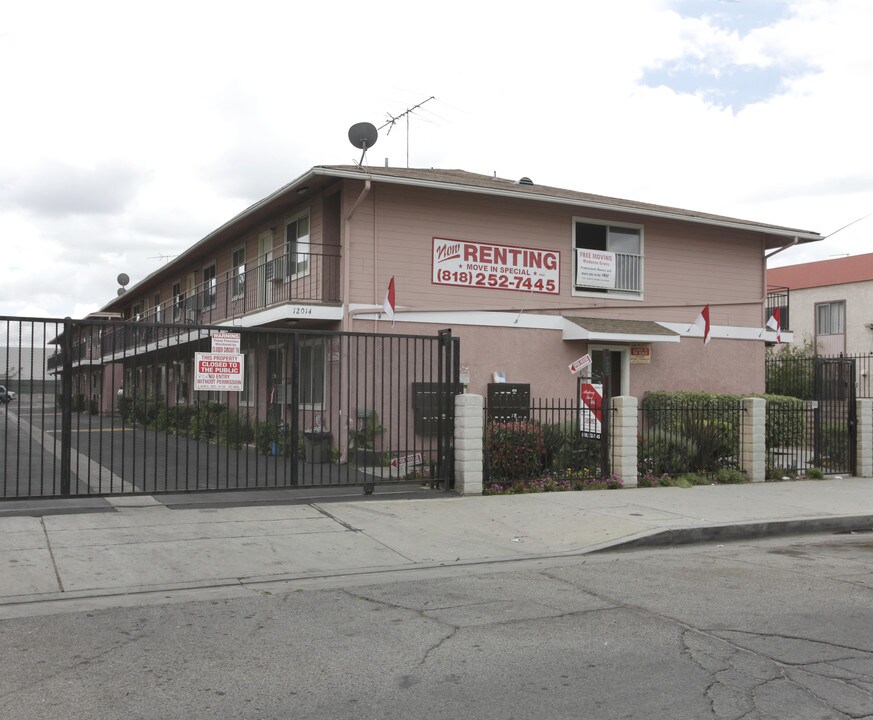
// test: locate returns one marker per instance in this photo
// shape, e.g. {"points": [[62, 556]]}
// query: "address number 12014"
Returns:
{"points": [[494, 280]]}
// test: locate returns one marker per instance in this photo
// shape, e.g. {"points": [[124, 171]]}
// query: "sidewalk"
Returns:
{"points": [[171, 544]]}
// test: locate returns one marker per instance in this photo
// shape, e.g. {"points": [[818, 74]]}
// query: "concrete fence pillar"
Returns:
{"points": [[753, 447], [865, 438], [623, 439], [469, 427]]}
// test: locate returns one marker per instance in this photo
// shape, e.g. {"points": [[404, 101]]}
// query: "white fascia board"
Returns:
{"points": [[729, 332], [466, 317], [531, 321], [289, 312]]}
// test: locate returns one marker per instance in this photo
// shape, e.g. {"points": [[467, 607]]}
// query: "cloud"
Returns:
{"points": [[60, 189]]}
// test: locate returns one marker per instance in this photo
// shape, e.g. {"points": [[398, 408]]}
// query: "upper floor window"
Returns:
{"points": [[830, 318], [177, 301], [238, 273], [297, 246], [210, 285], [608, 258]]}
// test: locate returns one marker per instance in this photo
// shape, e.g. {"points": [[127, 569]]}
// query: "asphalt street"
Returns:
{"points": [[775, 628]]}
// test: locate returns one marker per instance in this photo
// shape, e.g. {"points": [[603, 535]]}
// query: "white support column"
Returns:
{"points": [[865, 438], [753, 449], [623, 439], [469, 427]]}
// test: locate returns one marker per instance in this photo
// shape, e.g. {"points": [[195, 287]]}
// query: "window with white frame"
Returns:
{"points": [[312, 355], [297, 246], [608, 257], [830, 318], [238, 273]]}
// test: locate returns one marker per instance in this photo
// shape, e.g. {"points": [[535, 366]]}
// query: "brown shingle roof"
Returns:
{"points": [[462, 179]]}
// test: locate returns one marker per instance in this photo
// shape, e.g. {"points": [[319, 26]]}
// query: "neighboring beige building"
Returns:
{"points": [[529, 278], [830, 303]]}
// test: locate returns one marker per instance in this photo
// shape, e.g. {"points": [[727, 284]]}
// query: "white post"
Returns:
{"points": [[753, 449], [469, 428], [865, 438], [623, 439]]}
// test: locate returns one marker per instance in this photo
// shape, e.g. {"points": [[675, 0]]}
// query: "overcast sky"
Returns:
{"points": [[128, 131]]}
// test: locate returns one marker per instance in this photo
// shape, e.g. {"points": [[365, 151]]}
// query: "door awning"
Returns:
{"points": [[613, 330]]}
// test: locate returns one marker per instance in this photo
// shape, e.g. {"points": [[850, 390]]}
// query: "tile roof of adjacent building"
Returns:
{"points": [[837, 271]]}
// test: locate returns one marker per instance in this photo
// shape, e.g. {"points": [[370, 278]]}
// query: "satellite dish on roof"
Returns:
{"points": [[363, 135], [123, 279], [121, 291]]}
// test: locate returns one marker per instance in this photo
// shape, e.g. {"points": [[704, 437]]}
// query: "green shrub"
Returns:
{"points": [[790, 370], [814, 473], [835, 445], [691, 479], [203, 424], [514, 449], [785, 421], [730, 476], [661, 451], [235, 430]]}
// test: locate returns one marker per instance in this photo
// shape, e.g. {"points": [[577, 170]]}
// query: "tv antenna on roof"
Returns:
{"points": [[363, 135], [392, 120]]}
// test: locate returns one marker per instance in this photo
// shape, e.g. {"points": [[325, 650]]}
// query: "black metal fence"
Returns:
{"points": [[155, 415], [562, 443], [679, 435], [819, 434], [795, 376]]}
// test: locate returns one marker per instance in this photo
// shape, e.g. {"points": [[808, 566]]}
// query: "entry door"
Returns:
{"points": [[616, 364]]}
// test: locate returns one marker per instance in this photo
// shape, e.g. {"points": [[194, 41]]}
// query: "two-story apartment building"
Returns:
{"points": [[529, 277]]}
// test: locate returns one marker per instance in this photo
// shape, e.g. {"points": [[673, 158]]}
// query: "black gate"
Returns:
{"points": [[558, 441], [835, 444], [105, 407], [823, 434]]}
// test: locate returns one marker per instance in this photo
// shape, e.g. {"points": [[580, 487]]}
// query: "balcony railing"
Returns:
{"points": [[778, 297], [277, 278]]}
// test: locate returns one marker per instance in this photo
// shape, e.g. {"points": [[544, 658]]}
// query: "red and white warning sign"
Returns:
{"points": [[590, 409], [218, 371]]}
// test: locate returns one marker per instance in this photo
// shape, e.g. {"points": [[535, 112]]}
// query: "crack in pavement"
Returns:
{"points": [[717, 654]]}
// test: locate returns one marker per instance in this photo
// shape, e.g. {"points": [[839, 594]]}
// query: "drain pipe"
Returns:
{"points": [[344, 412], [346, 250]]}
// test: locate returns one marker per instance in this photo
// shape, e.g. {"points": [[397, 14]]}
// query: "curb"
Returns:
{"points": [[745, 531]]}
